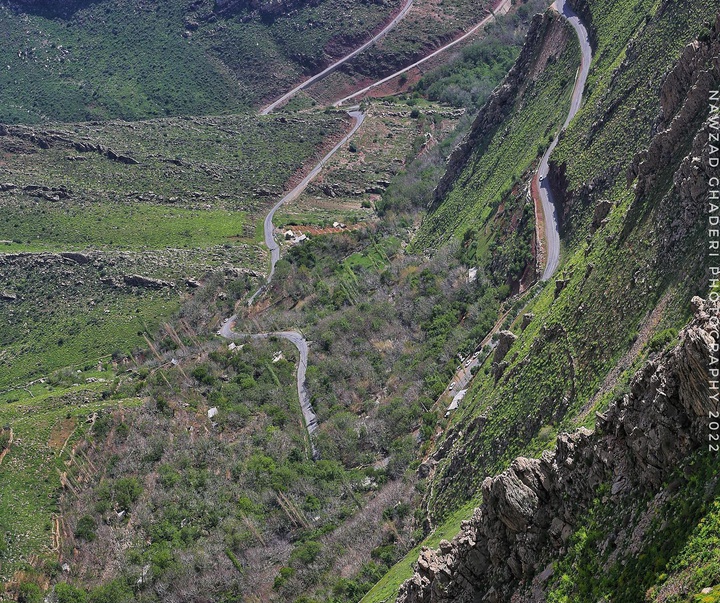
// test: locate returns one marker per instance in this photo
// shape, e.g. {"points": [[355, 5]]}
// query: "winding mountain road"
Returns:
{"points": [[540, 183], [268, 228], [310, 81], [500, 8], [293, 337], [301, 344], [548, 202], [463, 375]]}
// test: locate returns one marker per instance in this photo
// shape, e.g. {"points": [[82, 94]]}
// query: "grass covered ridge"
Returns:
{"points": [[561, 358], [107, 60]]}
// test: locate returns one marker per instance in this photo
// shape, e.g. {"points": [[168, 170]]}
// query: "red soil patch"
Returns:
{"points": [[316, 230], [61, 432], [7, 449], [539, 224]]}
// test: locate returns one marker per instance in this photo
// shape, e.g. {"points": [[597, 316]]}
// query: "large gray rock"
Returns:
{"points": [[505, 341], [529, 511]]}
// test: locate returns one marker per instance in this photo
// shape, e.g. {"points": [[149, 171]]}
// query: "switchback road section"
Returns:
{"points": [[315, 78], [540, 183]]}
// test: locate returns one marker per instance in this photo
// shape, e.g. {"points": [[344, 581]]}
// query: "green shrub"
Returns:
{"points": [[661, 339], [86, 528], [67, 593], [126, 491], [305, 553], [30, 592], [112, 592]]}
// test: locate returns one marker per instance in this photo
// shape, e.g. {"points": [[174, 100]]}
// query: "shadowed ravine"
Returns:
{"points": [[551, 222]]}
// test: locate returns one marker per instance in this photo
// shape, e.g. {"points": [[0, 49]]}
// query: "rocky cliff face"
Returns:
{"points": [[546, 40], [530, 511], [684, 98]]}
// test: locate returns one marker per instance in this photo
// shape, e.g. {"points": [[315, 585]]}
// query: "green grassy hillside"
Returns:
{"points": [[186, 206], [135, 60], [109, 365], [623, 285]]}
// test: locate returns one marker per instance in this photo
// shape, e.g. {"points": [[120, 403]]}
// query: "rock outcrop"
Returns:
{"points": [[136, 280], [530, 511], [546, 39], [48, 139], [505, 341], [684, 97]]}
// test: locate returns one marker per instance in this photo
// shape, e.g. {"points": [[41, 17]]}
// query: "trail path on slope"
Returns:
{"points": [[540, 183], [500, 9], [7, 447], [309, 82]]}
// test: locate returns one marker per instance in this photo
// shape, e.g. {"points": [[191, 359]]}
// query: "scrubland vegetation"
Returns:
{"points": [[161, 462]]}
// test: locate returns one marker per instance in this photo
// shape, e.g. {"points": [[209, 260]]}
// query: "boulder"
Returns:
{"points": [[505, 341]]}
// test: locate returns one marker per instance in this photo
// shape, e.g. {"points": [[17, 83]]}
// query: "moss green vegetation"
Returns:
{"points": [[500, 160], [46, 425], [675, 558], [560, 360], [100, 60], [134, 226], [108, 61]]}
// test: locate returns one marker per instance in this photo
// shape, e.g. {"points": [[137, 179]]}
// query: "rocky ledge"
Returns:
{"points": [[530, 511], [547, 38]]}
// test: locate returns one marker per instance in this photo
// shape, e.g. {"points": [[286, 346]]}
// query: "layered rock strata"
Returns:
{"points": [[530, 510]]}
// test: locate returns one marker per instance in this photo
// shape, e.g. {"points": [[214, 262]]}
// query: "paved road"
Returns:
{"points": [[309, 82], [301, 344], [501, 8], [552, 231], [268, 227], [294, 337], [358, 117]]}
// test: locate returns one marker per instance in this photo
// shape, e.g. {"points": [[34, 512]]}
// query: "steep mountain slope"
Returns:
{"points": [[619, 258], [74, 61], [632, 174], [82, 60], [481, 192], [656, 433], [181, 471]]}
